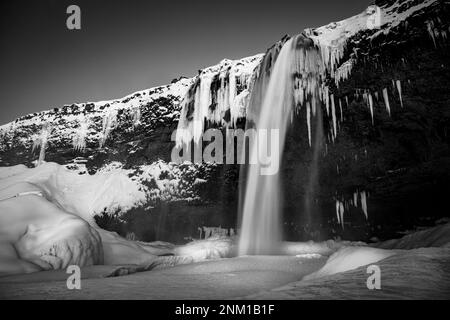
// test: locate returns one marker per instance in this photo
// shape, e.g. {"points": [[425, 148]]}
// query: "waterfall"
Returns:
{"points": [[295, 79]]}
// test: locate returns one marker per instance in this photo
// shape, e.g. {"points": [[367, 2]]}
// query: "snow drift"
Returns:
{"points": [[349, 258]]}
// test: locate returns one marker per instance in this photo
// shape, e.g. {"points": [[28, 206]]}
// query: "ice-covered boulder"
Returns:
{"points": [[35, 234]]}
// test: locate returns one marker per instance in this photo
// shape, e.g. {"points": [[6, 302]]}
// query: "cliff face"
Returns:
{"points": [[384, 160]]}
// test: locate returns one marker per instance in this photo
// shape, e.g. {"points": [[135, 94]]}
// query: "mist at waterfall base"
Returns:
{"points": [[279, 91]]}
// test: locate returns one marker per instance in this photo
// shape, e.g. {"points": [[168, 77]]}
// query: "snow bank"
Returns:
{"points": [[349, 258], [82, 195]]}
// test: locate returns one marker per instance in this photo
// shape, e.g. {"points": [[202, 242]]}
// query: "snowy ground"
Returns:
{"points": [[413, 274], [220, 279], [422, 273]]}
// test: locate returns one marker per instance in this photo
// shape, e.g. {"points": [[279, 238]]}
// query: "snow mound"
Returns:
{"points": [[35, 234], [349, 258]]}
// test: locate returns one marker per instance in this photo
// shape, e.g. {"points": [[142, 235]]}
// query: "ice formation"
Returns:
{"points": [[41, 141], [308, 119], [333, 115], [371, 106], [343, 72], [364, 203], [216, 91], [343, 204], [340, 210], [109, 123], [399, 89], [80, 135], [136, 115], [386, 101]]}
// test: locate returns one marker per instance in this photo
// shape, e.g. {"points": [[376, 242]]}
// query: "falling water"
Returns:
{"points": [[294, 80]]}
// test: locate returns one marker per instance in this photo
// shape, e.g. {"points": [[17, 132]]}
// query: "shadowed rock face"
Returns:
{"points": [[402, 162]]}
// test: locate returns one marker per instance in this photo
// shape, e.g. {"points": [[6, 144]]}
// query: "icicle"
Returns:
{"points": [[341, 210], [371, 106], [338, 214], [430, 29], [238, 107], [399, 89], [333, 114], [364, 204], [109, 123], [346, 101], [136, 115], [340, 108], [232, 91], [386, 101], [376, 95], [313, 105], [79, 139], [355, 198], [343, 72], [308, 121]]}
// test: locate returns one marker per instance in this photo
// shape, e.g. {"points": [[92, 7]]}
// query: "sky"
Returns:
{"points": [[127, 46]]}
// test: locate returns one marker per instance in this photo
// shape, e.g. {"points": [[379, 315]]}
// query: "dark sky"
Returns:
{"points": [[125, 46]]}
